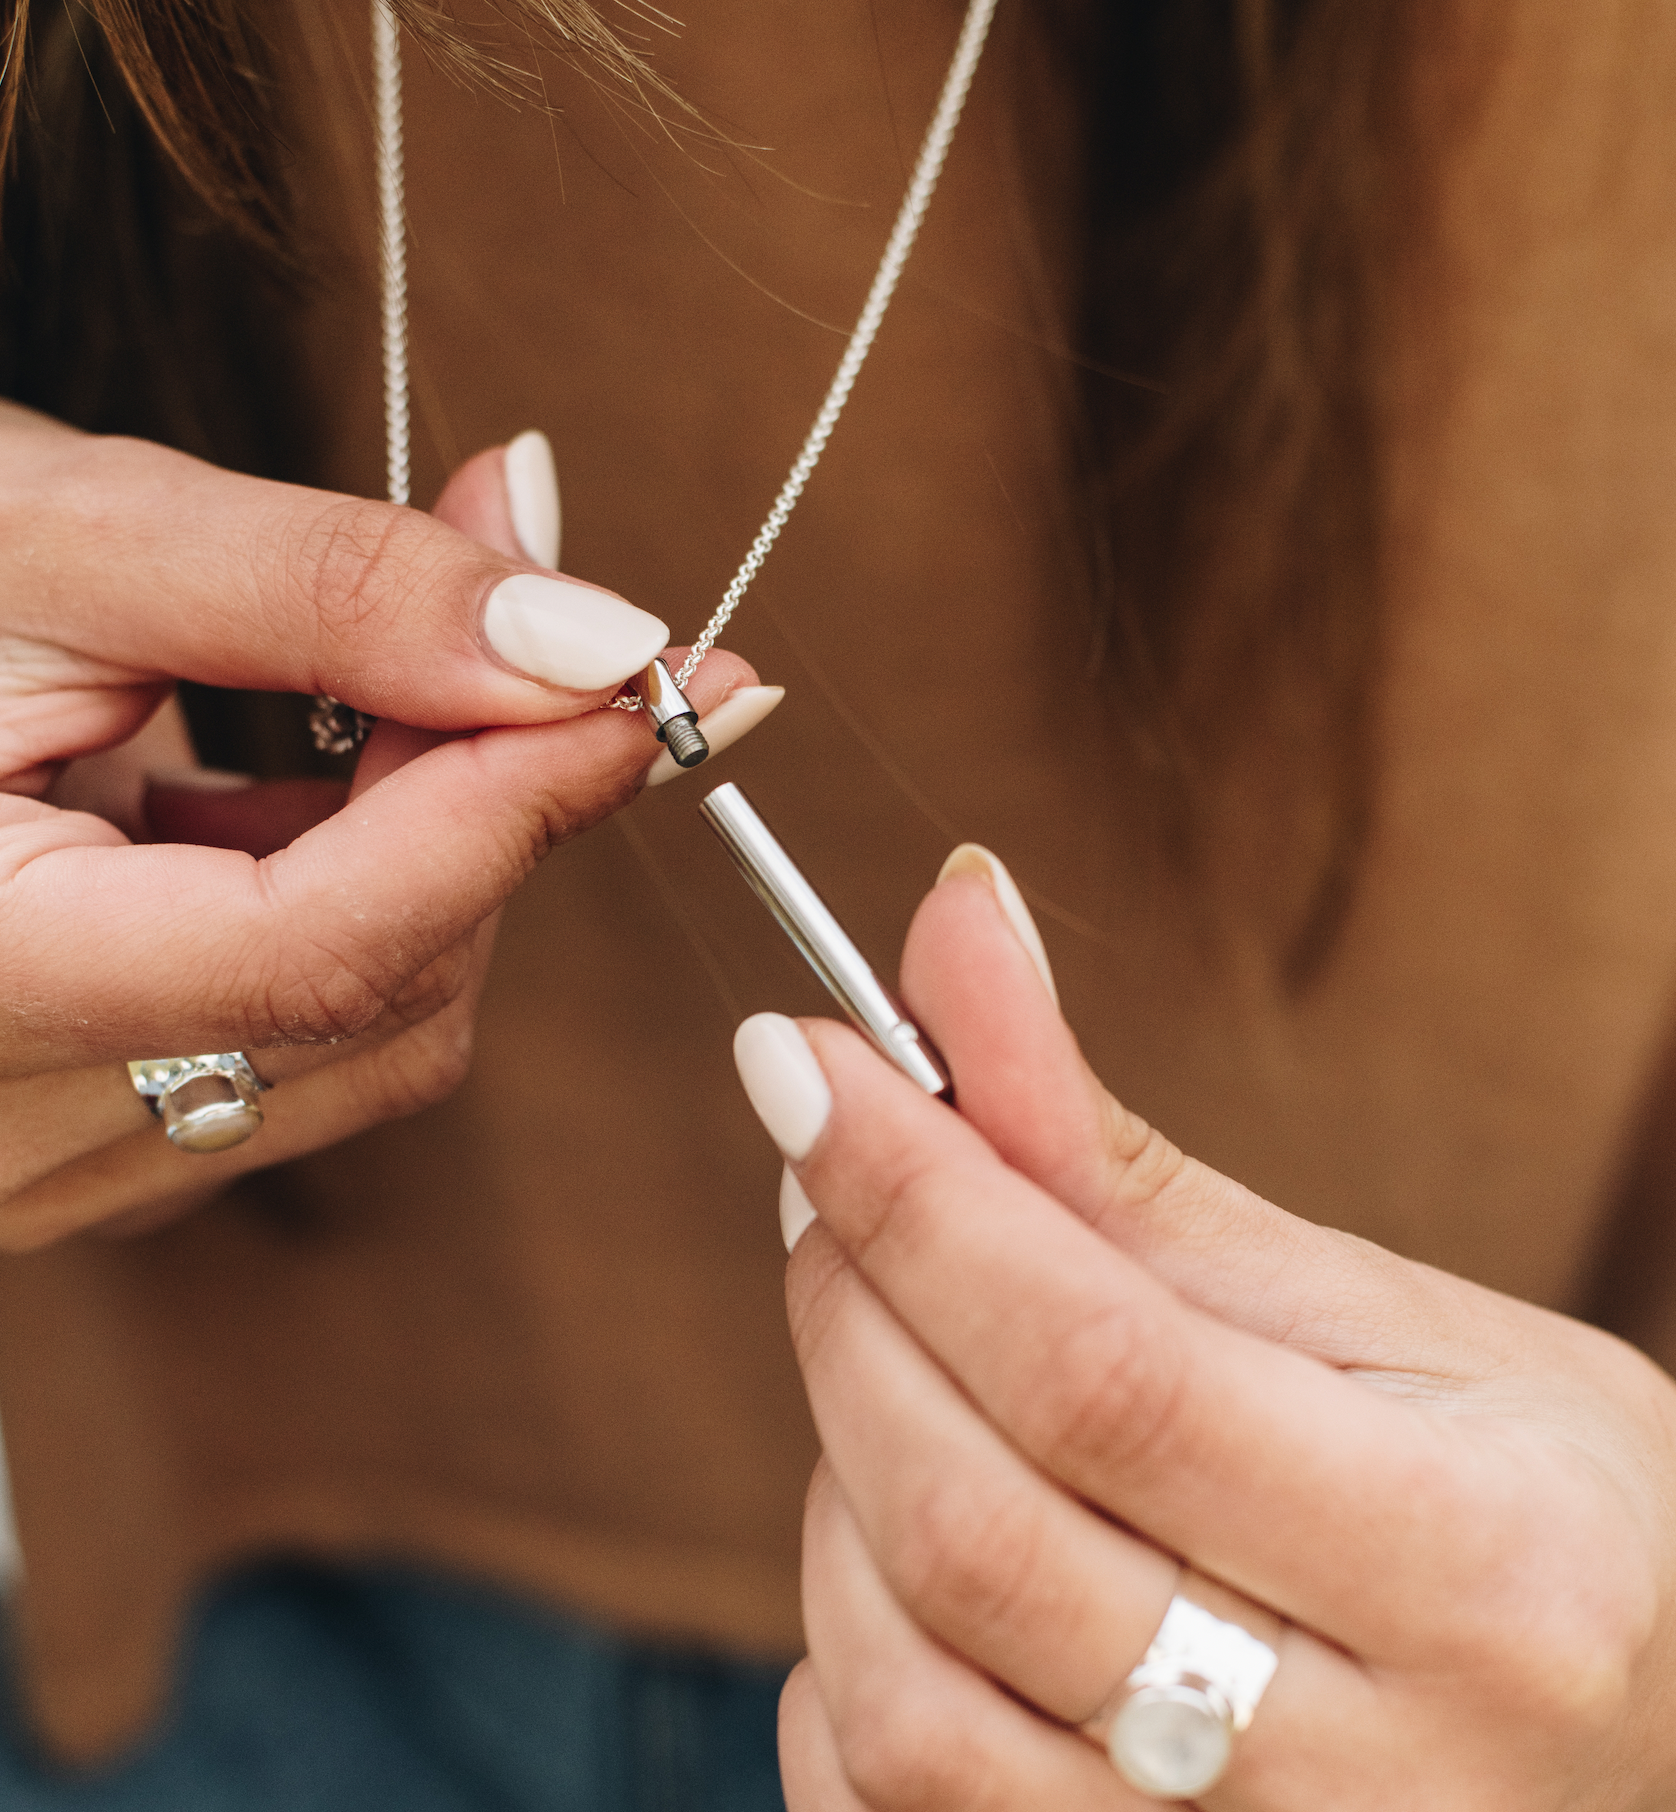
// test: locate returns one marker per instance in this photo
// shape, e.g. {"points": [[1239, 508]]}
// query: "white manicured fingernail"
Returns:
{"points": [[786, 1085], [738, 714], [200, 780], [797, 1212], [532, 494], [570, 634], [974, 859]]}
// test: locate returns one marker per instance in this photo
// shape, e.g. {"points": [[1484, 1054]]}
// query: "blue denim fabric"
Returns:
{"points": [[373, 1690]]}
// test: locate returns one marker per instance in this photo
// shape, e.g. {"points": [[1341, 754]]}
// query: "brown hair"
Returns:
{"points": [[1239, 194], [198, 73], [1247, 159]]}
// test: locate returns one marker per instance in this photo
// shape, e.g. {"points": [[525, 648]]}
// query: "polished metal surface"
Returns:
{"points": [[206, 1103], [808, 921], [1197, 1687], [672, 715]]}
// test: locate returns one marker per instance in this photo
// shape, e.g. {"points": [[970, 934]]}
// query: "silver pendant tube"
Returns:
{"points": [[808, 921]]}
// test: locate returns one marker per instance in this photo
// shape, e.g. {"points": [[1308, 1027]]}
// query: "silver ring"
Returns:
{"points": [[1170, 1730], [205, 1103]]}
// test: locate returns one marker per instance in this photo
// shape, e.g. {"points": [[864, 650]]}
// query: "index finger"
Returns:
{"points": [[1022, 1081], [1228, 1449], [110, 950], [144, 563]]}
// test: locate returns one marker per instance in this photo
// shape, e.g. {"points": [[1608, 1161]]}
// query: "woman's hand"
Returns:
{"points": [[340, 942], [1050, 1358]]}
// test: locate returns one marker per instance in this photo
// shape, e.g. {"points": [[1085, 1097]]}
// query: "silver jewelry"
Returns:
{"points": [[922, 185], [337, 727], [205, 1103], [807, 920], [671, 715], [1171, 1731]]}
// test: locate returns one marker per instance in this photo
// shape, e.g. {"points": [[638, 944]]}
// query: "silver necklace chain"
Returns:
{"points": [[337, 728], [392, 245], [928, 166]]}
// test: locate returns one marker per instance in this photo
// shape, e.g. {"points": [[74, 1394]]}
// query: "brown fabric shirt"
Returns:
{"points": [[536, 1334]]}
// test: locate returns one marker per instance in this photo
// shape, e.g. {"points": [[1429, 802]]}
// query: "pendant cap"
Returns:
{"points": [[673, 718]]}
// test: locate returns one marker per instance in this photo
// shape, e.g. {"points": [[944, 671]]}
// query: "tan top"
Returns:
{"points": [[536, 1334]]}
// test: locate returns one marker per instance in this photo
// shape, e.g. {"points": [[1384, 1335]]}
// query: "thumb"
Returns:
{"points": [[138, 559], [973, 979]]}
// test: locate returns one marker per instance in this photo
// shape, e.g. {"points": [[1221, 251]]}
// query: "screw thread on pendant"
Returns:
{"points": [[685, 741]]}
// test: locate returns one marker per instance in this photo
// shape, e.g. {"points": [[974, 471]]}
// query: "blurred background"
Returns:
{"points": [[8, 1533]]}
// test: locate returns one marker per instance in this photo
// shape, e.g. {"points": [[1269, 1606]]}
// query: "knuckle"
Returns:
{"points": [[357, 563], [902, 1750], [308, 998], [328, 1008], [320, 984], [817, 1291], [1573, 1675], [905, 1180], [1110, 1396], [967, 1557], [436, 987], [1562, 1640], [425, 1067], [1145, 1164]]}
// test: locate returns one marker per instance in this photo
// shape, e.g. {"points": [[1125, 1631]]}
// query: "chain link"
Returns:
{"points": [[337, 728], [392, 246], [928, 167], [392, 218]]}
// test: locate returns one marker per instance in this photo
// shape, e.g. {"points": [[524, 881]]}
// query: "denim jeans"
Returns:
{"points": [[307, 1689]]}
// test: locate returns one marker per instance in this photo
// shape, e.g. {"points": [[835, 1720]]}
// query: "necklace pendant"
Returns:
{"points": [[337, 728], [672, 716]]}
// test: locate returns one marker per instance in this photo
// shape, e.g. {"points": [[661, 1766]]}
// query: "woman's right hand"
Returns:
{"points": [[346, 963]]}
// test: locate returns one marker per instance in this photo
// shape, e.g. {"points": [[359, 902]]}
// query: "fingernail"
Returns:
{"points": [[974, 859], [797, 1212], [532, 494], [738, 714], [786, 1085], [570, 634], [199, 780]]}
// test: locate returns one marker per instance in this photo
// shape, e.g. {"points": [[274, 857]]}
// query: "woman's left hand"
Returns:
{"points": [[1050, 1359]]}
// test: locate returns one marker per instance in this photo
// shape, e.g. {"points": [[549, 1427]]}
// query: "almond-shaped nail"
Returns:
{"points": [[569, 634], [797, 1212], [532, 496], [787, 1087], [736, 716], [974, 859]]}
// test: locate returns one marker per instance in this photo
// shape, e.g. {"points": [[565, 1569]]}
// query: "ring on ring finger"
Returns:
{"points": [[1170, 1726], [205, 1103]]}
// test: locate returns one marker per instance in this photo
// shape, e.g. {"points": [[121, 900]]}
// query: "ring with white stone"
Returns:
{"points": [[205, 1103], [1170, 1728]]}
